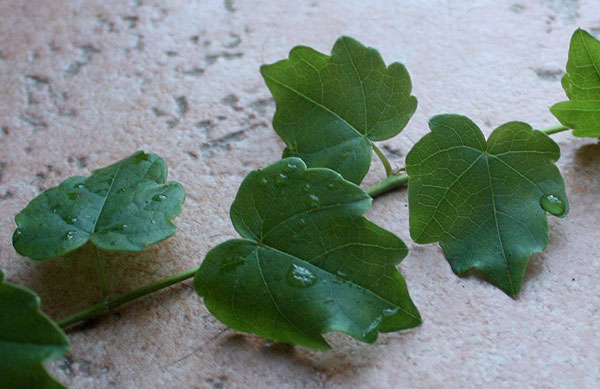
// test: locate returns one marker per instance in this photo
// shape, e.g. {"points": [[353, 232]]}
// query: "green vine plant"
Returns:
{"points": [[307, 261]]}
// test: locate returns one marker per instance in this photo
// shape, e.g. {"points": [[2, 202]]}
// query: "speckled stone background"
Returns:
{"points": [[85, 83]]}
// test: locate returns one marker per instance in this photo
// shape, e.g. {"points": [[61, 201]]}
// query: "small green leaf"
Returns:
{"points": [[582, 85], [123, 207], [485, 202], [330, 108], [27, 339], [308, 263]]}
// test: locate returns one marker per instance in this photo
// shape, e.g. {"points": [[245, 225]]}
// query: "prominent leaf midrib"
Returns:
{"points": [[493, 196], [108, 192], [362, 88], [589, 54], [323, 107], [268, 289], [303, 261]]}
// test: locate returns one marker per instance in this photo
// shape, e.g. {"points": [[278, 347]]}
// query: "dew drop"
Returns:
{"points": [[55, 208], [120, 227], [121, 190], [302, 221], [18, 234], [158, 197], [281, 179], [331, 186], [390, 311], [301, 277], [70, 219], [291, 167], [264, 181], [69, 235], [315, 201], [80, 186], [231, 264], [553, 204], [372, 327], [153, 221], [306, 188], [341, 274]]}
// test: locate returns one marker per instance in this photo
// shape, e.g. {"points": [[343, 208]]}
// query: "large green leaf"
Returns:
{"points": [[485, 202], [27, 338], [330, 108], [308, 263], [582, 85], [122, 207]]}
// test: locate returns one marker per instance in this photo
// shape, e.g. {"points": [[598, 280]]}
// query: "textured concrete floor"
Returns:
{"points": [[84, 83]]}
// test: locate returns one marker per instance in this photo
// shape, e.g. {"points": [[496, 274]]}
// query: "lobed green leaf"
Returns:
{"points": [[484, 202], [582, 85], [123, 207], [27, 339], [308, 261], [330, 108]]}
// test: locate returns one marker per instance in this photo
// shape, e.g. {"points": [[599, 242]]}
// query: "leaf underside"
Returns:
{"points": [[27, 339], [330, 108], [122, 207], [582, 85], [308, 261], [484, 202]]}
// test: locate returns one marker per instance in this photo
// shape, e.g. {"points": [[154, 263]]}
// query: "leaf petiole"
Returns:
{"points": [[388, 183], [101, 276], [554, 129], [384, 160], [108, 305]]}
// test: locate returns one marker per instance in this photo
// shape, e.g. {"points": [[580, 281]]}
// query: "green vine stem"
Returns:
{"points": [[384, 160], [394, 181], [108, 305]]}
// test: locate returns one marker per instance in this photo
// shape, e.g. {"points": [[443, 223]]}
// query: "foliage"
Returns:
{"points": [[582, 85], [485, 202], [308, 263], [27, 339], [123, 207], [331, 108]]}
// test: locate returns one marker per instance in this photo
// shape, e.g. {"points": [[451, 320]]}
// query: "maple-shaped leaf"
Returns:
{"points": [[582, 85], [308, 261], [123, 207], [484, 202], [331, 108], [27, 339]]}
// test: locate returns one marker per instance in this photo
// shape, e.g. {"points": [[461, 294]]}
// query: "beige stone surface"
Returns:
{"points": [[85, 83]]}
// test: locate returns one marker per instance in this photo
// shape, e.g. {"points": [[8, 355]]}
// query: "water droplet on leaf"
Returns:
{"points": [[553, 204], [121, 190], [301, 277], [158, 197], [372, 327], [264, 181], [70, 234], [80, 186], [306, 188], [390, 311], [281, 179], [70, 219]]}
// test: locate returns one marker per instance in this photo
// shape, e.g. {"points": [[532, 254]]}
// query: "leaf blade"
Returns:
{"points": [[483, 203], [582, 86], [310, 252], [27, 339], [330, 108], [122, 207]]}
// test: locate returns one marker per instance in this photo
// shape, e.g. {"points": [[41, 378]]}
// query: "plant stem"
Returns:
{"points": [[554, 129], [384, 160], [108, 305], [101, 276], [389, 183]]}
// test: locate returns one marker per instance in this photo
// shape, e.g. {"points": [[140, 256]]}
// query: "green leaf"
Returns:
{"points": [[485, 202], [582, 85], [330, 108], [123, 207], [308, 263], [27, 339]]}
